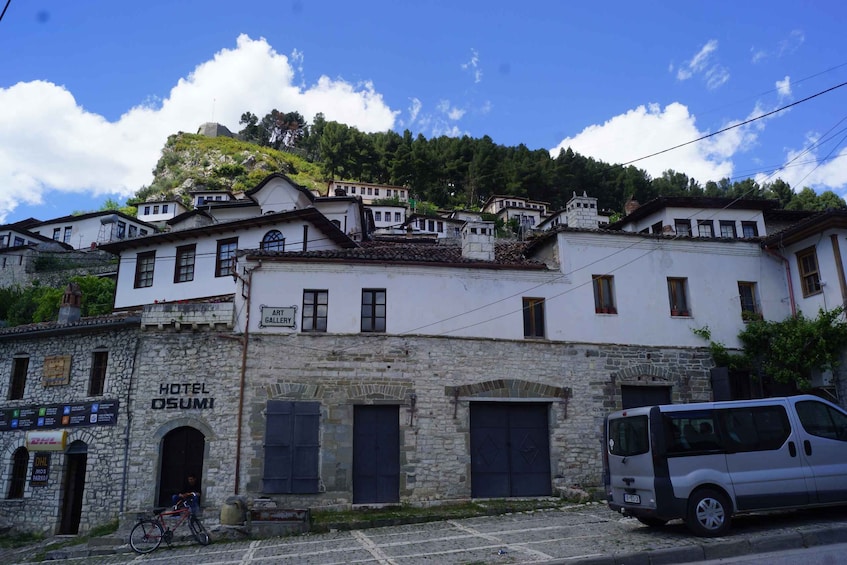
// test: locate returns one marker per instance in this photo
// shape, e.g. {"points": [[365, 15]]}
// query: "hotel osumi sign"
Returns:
{"points": [[278, 316]]}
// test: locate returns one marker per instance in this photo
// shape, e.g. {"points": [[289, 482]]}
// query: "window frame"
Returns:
{"points": [[311, 312], [99, 367], [604, 294], [17, 379], [749, 303], [678, 297], [273, 240], [225, 257], [733, 234], [810, 278], [682, 223], [184, 265], [707, 226], [145, 267], [370, 310], [533, 317], [749, 226]]}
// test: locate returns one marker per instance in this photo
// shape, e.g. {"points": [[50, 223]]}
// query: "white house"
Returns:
{"points": [[160, 210], [439, 226], [687, 216], [83, 231], [205, 197], [528, 213], [369, 191], [387, 215]]}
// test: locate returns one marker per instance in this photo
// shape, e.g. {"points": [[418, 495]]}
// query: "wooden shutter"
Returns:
{"points": [[292, 447]]}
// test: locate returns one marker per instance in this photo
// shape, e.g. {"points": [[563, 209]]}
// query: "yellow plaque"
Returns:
{"points": [[57, 370]]}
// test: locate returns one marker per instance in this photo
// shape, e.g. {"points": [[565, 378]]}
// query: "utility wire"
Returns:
{"points": [[745, 122], [6, 7]]}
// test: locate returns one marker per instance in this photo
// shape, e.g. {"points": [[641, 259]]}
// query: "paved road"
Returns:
{"points": [[584, 534]]}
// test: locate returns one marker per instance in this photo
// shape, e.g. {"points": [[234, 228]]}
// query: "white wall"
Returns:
{"points": [[173, 209], [830, 295], [488, 302], [91, 230], [205, 283], [669, 215]]}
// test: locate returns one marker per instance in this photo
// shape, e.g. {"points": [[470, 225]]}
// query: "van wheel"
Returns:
{"points": [[708, 513], [652, 522]]}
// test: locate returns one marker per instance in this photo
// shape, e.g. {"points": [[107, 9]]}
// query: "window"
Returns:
{"points": [[292, 447], [629, 436], [17, 479], [142, 232], [440, 227], [20, 365], [315, 306], [156, 209], [763, 428], [225, 260], [678, 296], [147, 208], [164, 208], [728, 229], [273, 241], [121, 230], [184, 266], [820, 420], [533, 317], [18, 242], [430, 224], [376, 192], [682, 227], [604, 298], [705, 228], [97, 382], [690, 431], [749, 229], [657, 227], [144, 263], [57, 234], [133, 231], [747, 297], [397, 217], [373, 310], [67, 236], [807, 262], [378, 216]]}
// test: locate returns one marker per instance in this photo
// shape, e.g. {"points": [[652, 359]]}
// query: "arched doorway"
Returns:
{"points": [[73, 485], [182, 454]]}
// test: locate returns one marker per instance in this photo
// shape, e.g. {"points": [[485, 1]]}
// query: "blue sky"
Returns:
{"points": [[89, 91]]}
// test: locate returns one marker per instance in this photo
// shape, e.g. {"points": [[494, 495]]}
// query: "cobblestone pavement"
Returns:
{"points": [[584, 534]]}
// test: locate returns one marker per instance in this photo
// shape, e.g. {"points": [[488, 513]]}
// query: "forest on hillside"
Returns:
{"points": [[447, 172], [462, 172]]}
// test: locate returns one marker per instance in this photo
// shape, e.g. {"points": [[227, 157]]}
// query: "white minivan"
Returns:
{"points": [[705, 462]]}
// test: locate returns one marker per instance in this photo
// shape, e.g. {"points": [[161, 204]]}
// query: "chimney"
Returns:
{"points": [[70, 309], [478, 241], [631, 206]]}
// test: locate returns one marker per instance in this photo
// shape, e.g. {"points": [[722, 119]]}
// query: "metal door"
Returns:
{"points": [[510, 450], [73, 486], [182, 454], [376, 454]]}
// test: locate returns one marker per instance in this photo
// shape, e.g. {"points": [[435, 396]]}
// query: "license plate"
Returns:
{"points": [[632, 498]]}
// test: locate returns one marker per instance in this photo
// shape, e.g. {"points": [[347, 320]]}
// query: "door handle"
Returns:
{"points": [[807, 447], [792, 449]]}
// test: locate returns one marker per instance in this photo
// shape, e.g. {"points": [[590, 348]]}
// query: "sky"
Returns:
{"points": [[90, 90]]}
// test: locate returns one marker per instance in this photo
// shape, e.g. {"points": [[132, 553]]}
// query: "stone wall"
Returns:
{"points": [[40, 509]]}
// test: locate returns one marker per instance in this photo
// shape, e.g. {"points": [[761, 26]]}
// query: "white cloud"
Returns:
{"points": [[49, 142], [757, 55], [783, 87], [473, 66], [649, 129], [414, 110], [804, 168], [791, 43], [703, 64], [451, 112]]}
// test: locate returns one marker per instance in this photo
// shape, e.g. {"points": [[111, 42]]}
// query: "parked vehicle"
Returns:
{"points": [[706, 462]]}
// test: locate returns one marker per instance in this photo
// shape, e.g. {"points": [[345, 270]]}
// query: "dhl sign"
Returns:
{"points": [[47, 441]]}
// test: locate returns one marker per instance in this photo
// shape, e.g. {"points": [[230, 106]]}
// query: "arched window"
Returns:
{"points": [[20, 462], [273, 241]]}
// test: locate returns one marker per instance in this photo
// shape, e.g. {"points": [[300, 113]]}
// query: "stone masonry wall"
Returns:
{"points": [[40, 508]]}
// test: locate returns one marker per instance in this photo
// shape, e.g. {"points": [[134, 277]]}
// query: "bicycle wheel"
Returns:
{"points": [[199, 531], [146, 536]]}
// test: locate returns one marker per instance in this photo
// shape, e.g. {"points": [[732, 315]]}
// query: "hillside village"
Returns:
{"points": [[306, 348]]}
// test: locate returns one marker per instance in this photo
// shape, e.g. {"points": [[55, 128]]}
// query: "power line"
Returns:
{"points": [[745, 122], [6, 7]]}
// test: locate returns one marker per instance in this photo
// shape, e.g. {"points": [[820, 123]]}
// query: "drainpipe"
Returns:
{"points": [[785, 262], [128, 422], [244, 343]]}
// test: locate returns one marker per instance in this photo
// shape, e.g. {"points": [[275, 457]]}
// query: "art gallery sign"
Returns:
{"points": [[278, 316]]}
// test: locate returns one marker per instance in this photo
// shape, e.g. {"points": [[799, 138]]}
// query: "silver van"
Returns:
{"points": [[706, 462]]}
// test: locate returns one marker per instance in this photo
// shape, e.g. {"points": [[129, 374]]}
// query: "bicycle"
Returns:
{"points": [[147, 535]]}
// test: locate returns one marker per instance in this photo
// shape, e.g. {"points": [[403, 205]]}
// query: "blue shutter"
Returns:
{"points": [[291, 447]]}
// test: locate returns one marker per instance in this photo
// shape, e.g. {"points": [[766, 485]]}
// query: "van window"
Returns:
{"points": [[690, 431], [628, 436], [760, 428], [821, 420]]}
